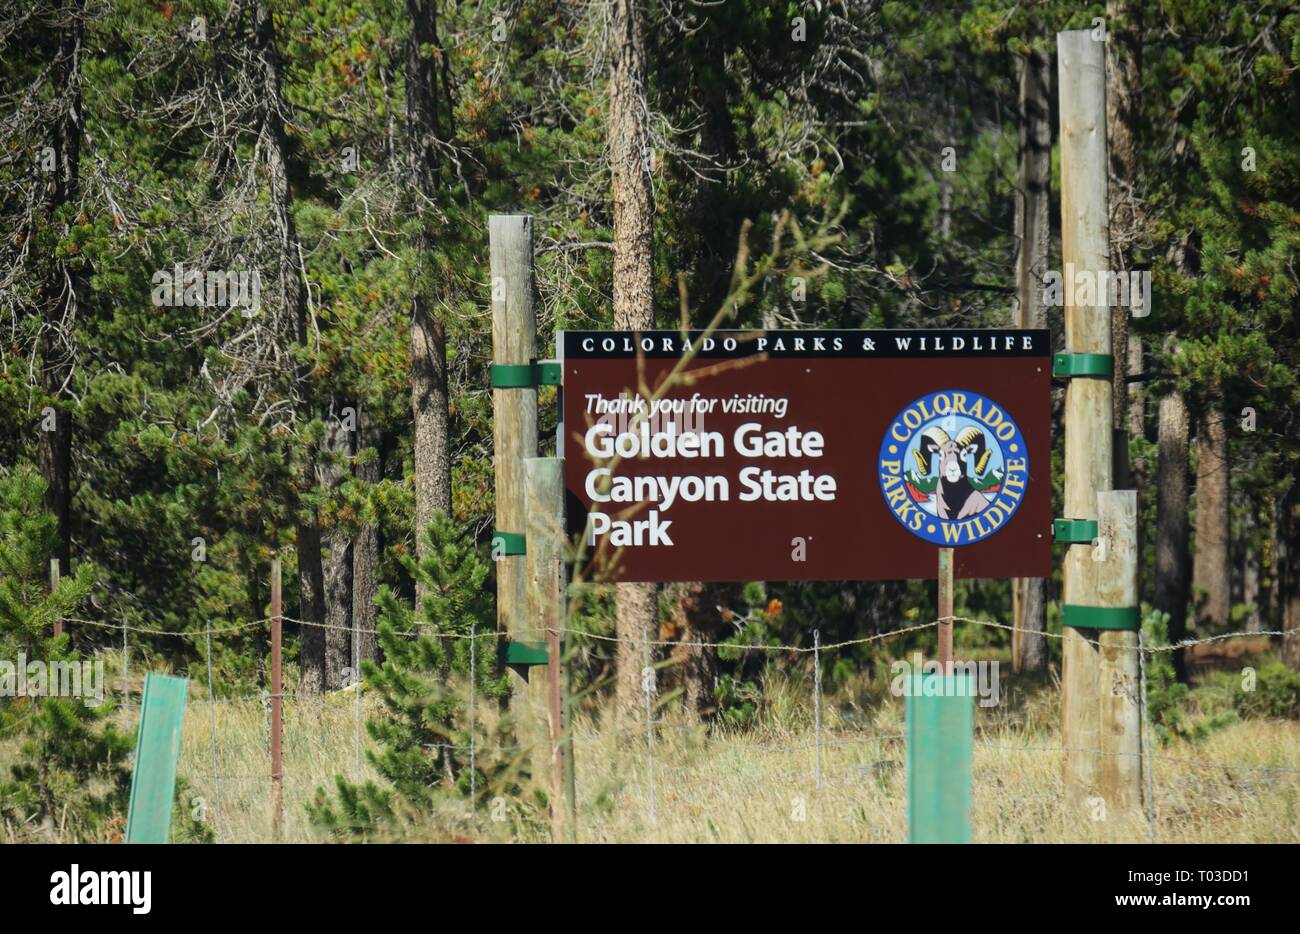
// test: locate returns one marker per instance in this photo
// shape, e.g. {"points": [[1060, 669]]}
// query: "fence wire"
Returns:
{"points": [[822, 777]]}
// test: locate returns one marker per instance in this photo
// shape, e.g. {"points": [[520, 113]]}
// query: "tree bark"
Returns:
{"points": [[1251, 592], [1290, 583], [311, 610], [365, 550], [432, 422], [1211, 568], [629, 154], [336, 562], [428, 125], [1171, 521], [1123, 87], [311, 584], [61, 292], [700, 624], [1270, 584], [1033, 195]]}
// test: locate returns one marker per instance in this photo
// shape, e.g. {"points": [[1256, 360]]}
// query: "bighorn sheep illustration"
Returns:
{"points": [[955, 497]]}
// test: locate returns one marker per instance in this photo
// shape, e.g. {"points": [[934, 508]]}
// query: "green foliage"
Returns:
{"points": [[70, 774], [1169, 703], [425, 679], [1276, 694], [191, 423]]}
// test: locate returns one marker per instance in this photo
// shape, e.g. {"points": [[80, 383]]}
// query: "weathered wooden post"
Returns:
{"points": [[544, 562], [277, 691], [945, 609], [1116, 555], [1017, 621], [514, 439], [1088, 464], [1098, 705]]}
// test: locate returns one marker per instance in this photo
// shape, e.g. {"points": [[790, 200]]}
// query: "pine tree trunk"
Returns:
{"points": [[1033, 232], [365, 550], [1171, 521], [1211, 569], [311, 610], [60, 294], [429, 408], [311, 584], [629, 153], [1123, 86], [701, 625], [1251, 592], [1270, 583], [1290, 582], [336, 563], [428, 119]]}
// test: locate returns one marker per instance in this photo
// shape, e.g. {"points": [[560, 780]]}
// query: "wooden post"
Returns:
{"points": [[544, 488], [1120, 768], [945, 610], [1088, 462], [54, 586], [277, 764], [514, 439], [570, 760], [1017, 621]]}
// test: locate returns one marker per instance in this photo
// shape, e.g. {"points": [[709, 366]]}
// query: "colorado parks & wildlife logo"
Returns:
{"points": [[953, 467]]}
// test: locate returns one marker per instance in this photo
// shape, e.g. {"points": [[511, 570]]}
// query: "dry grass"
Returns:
{"points": [[759, 785]]}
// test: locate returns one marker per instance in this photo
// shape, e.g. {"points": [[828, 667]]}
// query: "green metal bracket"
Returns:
{"points": [[550, 373], [1095, 365], [526, 653], [505, 544], [157, 748], [1100, 617], [1074, 531], [514, 375], [527, 375], [940, 731]]}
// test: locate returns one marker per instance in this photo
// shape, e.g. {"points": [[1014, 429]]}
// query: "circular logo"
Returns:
{"points": [[953, 467]]}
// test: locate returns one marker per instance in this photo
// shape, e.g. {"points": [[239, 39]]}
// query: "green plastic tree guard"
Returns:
{"points": [[157, 749], [940, 727]]}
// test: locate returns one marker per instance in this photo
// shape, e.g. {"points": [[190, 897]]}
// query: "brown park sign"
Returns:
{"points": [[808, 455]]}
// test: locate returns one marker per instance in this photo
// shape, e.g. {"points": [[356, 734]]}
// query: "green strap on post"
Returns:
{"points": [[514, 375], [940, 737], [550, 373], [1100, 617], [157, 749], [526, 653], [1093, 365], [527, 375], [1074, 531], [506, 544]]}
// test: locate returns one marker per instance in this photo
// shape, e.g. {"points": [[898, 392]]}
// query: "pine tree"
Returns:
{"points": [[70, 780], [424, 750]]}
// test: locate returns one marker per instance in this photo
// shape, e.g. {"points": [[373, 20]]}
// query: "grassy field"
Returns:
{"points": [[760, 785], [1240, 783]]}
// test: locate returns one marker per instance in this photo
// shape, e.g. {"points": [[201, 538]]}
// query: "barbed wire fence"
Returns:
{"points": [[822, 739]]}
